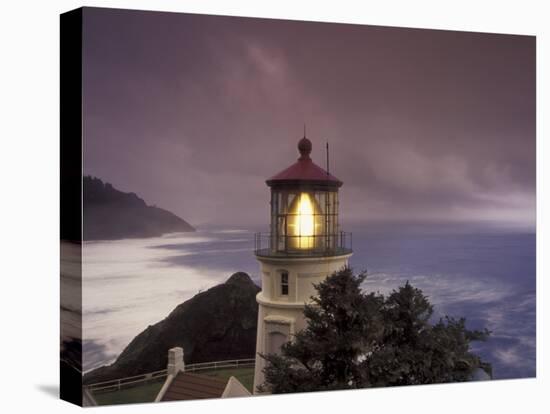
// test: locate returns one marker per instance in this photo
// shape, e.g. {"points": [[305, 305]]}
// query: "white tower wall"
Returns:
{"points": [[279, 315]]}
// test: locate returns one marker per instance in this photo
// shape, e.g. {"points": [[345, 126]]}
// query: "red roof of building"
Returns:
{"points": [[186, 386], [304, 170]]}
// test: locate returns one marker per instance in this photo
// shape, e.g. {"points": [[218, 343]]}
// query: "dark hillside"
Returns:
{"points": [[112, 214], [214, 325]]}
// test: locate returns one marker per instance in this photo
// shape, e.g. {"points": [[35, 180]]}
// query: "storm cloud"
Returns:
{"points": [[194, 112]]}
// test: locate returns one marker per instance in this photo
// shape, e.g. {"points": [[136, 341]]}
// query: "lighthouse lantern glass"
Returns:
{"points": [[304, 220]]}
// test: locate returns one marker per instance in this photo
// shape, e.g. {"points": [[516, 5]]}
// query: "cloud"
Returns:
{"points": [[195, 112]]}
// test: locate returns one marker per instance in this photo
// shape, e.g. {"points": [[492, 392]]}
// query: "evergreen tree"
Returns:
{"points": [[356, 340], [413, 351]]}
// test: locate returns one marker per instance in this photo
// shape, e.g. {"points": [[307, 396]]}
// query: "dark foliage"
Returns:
{"points": [[357, 340]]}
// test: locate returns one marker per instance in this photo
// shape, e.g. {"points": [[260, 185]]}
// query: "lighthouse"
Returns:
{"points": [[304, 246]]}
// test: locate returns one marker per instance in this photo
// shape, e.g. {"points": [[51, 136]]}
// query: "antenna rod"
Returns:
{"points": [[327, 160]]}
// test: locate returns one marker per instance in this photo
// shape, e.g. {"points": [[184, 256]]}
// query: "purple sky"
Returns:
{"points": [[194, 112]]}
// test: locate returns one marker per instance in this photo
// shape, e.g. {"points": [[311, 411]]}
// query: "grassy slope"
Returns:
{"points": [[138, 394]]}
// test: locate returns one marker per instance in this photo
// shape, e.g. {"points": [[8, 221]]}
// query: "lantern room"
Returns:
{"points": [[304, 211]]}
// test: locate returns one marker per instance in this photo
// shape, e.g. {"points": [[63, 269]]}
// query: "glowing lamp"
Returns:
{"points": [[304, 222]]}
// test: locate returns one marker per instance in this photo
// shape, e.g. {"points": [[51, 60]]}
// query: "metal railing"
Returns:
{"points": [[232, 363], [128, 382], [274, 245]]}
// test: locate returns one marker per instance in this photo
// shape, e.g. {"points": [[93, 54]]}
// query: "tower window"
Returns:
{"points": [[284, 283]]}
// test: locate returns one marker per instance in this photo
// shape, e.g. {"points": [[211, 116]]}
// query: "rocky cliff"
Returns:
{"points": [[214, 325]]}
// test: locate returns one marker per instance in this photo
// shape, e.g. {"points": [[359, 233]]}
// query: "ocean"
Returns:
{"points": [[486, 275]]}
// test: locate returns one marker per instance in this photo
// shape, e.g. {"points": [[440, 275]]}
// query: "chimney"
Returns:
{"points": [[175, 361]]}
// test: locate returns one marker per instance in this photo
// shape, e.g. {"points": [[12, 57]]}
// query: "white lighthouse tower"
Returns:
{"points": [[304, 246]]}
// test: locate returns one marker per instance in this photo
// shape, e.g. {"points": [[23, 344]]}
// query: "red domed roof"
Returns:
{"points": [[304, 171]]}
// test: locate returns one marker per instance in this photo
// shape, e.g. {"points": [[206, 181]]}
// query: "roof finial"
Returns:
{"points": [[304, 129], [304, 147]]}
